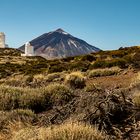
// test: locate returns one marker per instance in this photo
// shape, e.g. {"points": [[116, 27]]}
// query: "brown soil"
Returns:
{"points": [[122, 80]]}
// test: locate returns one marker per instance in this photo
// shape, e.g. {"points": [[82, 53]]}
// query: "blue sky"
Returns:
{"points": [[107, 24]]}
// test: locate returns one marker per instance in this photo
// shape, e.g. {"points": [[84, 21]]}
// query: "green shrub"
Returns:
{"points": [[9, 52], [68, 59], [122, 63], [79, 66], [98, 64], [57, 68], [75, 80], [88, 57]]}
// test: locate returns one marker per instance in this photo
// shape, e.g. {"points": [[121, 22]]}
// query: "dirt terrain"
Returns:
{"points": [[122, 80]]}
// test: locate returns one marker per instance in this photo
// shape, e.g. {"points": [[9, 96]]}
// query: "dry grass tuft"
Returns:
{"points": [[92, 87], [7, 117], [103, 72], [59, 94], [55, 77], [15, 81], [75, 80], [67, 131]]}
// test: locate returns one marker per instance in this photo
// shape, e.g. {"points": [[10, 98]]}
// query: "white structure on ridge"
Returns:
{"points": [[29, 50], [2, 40]]}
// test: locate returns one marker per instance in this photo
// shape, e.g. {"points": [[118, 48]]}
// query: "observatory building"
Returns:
{"points": [[2, 40], [29, 50]]}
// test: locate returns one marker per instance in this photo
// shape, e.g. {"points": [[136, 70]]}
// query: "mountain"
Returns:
{"points": [[60, 44]]}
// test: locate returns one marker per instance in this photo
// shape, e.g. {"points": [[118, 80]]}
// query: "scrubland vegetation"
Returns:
{"points": [[66, 100]]}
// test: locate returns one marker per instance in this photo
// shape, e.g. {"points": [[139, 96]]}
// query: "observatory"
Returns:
{"points": [[2, 40], [29, 50]]}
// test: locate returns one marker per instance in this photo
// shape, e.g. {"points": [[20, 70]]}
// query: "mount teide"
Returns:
{"points": [[60, 44]]}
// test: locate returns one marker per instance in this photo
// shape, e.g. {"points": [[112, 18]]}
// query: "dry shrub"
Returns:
{"points": [[67, 131], [103, 72], [92, 87], [12, 128], [75, 80], [59, 94], [39, 77], [9, 97], [15, 81], [35, 100], [38, 100], [38, 80], [25, 116], [55, 77], [41, 80]]}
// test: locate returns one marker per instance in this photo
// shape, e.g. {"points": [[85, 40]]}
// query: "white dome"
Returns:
{"points": [[27, 44]]}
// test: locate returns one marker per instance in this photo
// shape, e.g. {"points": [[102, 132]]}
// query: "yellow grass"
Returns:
{"points": [[15, 80], [103, 72], [67, 131], [75, 80]]}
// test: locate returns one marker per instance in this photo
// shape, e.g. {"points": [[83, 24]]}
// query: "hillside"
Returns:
{"points": [[94, 96], [60, 44], [11, 61]]}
